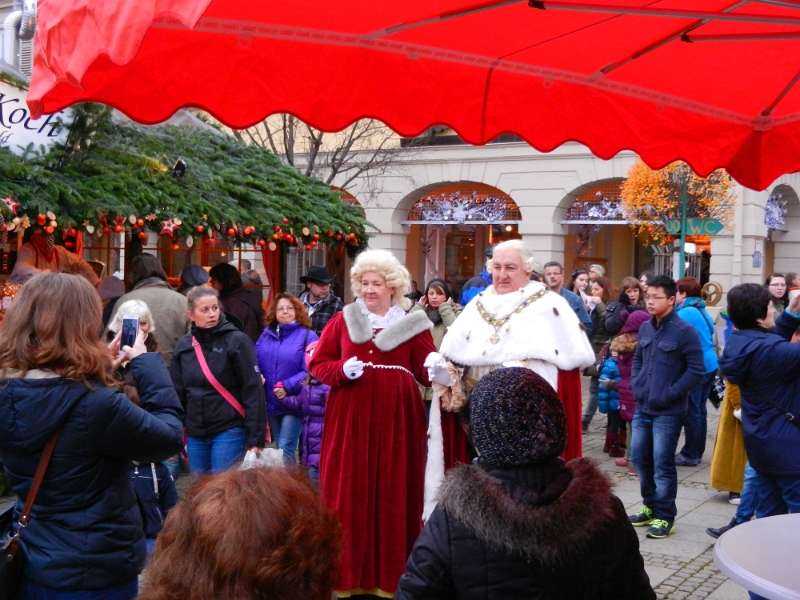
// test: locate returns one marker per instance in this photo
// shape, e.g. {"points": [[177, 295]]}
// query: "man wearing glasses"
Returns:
{"points": [[667, 364]]}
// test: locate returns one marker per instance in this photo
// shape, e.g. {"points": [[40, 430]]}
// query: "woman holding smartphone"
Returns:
{"points": [[215, 373], [85, 537]]}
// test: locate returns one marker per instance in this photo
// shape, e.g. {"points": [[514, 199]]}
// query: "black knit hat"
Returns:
{"points": [[516, 418]]}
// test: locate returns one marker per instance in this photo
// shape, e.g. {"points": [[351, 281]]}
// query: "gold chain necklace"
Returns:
{"points": [[498, 323]]}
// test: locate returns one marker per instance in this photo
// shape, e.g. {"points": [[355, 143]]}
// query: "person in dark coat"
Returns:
{"points": [[520, 523], [311, 403], [85, 535], [480, 282], [764, 364], [319, 300], [281, 352], [156, 496], [236, 300], [218, 431], [631, 299]]}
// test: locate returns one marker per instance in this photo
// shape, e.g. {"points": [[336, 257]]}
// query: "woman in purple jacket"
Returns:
{"points": [[311, 402], [281, 357]]}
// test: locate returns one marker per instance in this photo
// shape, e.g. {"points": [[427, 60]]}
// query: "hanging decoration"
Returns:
{"points": [[459, 208], [775, 212], [122, 183], [601, 209]]}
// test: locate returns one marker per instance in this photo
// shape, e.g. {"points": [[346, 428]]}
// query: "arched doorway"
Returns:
{"points": [[452, 225], [782, 218]]}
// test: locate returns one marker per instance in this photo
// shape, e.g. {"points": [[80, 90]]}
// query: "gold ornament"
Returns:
{"points": [[498, 323]]}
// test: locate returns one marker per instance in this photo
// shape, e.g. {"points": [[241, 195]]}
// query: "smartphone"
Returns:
{"points": [[130, 327]]}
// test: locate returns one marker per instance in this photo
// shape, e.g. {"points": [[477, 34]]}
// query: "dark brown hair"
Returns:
{"points": [[146, 266], [300, 312], [260, 533], [37, 335], [609, 293]]}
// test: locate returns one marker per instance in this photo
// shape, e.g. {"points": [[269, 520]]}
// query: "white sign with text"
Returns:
{"points": [[18, 129]]}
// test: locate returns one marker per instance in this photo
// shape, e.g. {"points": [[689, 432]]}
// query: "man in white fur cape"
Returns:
{"points": [[515, 322]]}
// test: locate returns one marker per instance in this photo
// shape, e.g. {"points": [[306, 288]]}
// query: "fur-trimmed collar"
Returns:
{"points": [[546, 330], [625, 342], [549, 534], [360, 331]]}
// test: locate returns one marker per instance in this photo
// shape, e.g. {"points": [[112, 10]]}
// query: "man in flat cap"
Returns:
{"points": [[320, 302]]}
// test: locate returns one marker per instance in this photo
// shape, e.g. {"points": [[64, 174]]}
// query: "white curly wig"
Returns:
{"points": [[132, 307], [526, 254], [386, 265]]}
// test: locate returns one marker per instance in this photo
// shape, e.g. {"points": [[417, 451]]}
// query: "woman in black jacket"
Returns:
{"points": [[521, 523], [219, 430], [85, 536], [237, 301], [631, 298]]}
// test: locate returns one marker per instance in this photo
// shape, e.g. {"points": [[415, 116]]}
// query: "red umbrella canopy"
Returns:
{"points": [[712, 82]]}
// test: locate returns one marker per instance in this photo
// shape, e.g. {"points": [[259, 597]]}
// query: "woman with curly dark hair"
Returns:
{"points": [[255, 534], [281, 352]]}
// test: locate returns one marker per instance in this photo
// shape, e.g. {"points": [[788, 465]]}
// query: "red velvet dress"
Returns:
{"points": [[569, 390], [372, 462]]}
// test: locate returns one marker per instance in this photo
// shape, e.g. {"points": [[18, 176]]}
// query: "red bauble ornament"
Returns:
{"points": [[352, 236], [277, 228], [140, 223], [200, 229], [175, 246], [316, 236], [117, 228], [68, 244], [106, 230], [338, 236], [308, 246], [142, 235], [262, 243], [290, 239], [275, 236], [231, 231], [49, 229], [329, 233], [285, 220], [41, 219]]}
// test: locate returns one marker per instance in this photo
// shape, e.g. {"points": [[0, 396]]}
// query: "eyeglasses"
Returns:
{"points": [[654, 298], [285, 309], [777, 285]]}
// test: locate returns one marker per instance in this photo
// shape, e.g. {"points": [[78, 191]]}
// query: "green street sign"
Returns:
{"points": [[694, 226]]}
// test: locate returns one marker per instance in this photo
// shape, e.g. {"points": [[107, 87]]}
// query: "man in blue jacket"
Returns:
{"points": [[766, 367], [667, 364], [554, 278]]}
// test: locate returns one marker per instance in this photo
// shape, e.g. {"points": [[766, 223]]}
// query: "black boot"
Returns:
{"points": [[716, 532]]}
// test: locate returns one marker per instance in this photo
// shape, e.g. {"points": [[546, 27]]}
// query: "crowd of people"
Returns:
{"points": [[403, 408]]}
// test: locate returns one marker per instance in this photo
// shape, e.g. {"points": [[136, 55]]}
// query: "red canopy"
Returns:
{"points": [[711, 82]]}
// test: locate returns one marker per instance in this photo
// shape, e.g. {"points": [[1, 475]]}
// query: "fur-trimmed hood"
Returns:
{"points": [[625, 342], [550, 534], [360, 330]]}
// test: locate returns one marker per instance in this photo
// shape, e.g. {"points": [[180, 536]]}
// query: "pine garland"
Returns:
{"points": [[126, 169]]}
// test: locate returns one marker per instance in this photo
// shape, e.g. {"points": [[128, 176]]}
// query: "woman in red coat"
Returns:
{"points": [[372, 461]]}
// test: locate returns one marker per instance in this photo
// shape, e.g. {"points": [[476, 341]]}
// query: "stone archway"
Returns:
{"points": [[450, 226]]}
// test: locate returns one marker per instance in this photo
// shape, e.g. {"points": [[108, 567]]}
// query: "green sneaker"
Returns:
{"points": [[642, 518], [660, 528]]}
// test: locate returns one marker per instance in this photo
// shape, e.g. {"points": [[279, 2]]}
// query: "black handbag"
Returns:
{"points": [[10, 557]]}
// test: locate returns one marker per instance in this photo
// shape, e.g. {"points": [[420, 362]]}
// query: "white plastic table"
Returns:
{"points": [[763, 556]]}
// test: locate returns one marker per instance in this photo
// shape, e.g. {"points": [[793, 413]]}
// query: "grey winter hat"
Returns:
{"points": [[516, 418]]}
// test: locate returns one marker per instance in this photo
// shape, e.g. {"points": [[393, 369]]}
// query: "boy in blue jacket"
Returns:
{"points": [[667, 364], [608, 403]]}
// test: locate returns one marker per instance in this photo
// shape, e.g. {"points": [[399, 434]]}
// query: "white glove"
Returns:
{"points": [[738, 413], [437, 369], [353, 368]]}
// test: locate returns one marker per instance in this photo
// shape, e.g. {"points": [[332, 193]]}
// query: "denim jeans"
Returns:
{"points": [[30, 590], [748, 502], [655, 439], [286, 433], [778, 495], [695, 423], [217, 453], [591, 404]]}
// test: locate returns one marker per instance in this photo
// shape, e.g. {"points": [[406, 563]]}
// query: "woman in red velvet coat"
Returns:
{"points": [[372, 461]]}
